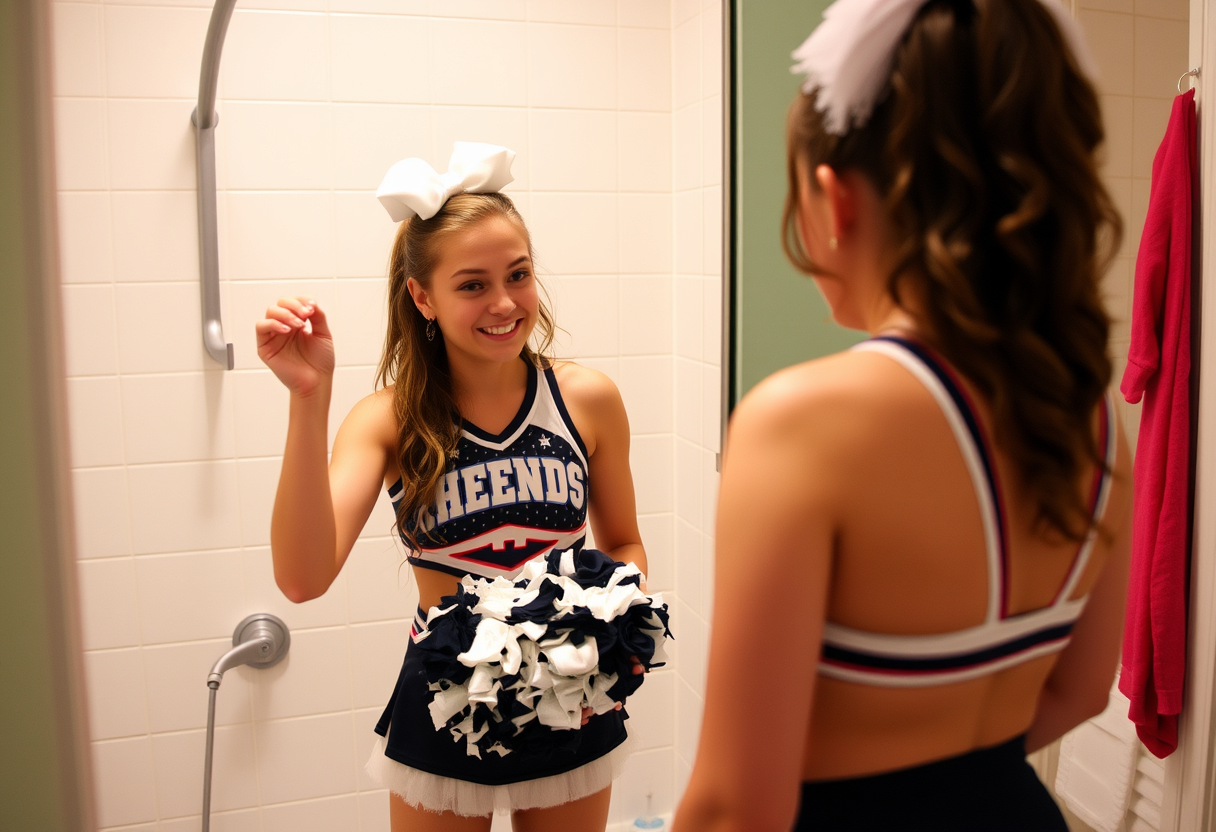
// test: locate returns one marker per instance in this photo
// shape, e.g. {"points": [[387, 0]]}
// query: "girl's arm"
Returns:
{"points": [[773, 565], [598, 412], [596, 405], [320, 506], [1079, 685]]}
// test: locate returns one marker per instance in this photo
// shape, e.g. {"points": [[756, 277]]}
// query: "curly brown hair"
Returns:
{"points": [[428, 420], [983, 148]]}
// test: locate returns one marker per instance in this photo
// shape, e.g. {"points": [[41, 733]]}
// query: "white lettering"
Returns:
{"points": [[528, 479], [574, 474], [475, 499], [555, 480], [447, 499], [502, 493]]}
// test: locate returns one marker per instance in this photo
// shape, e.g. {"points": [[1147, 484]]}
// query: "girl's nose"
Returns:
{"points": [[502, 303]]}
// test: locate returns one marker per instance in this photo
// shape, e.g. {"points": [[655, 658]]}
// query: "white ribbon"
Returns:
{"points": [[848, 57], [412, 187]]}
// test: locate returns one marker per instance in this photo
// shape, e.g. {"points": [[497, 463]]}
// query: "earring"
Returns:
{"points": [[833, 243], [430, 329]]}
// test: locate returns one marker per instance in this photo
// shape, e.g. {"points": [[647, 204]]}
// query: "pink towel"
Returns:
{"points": [[1158, 369]]}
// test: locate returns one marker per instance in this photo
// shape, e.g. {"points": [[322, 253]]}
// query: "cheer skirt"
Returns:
{"points": [[431, 770], [987, 790]]}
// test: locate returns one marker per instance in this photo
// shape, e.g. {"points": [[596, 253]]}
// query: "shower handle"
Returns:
{"points": [[261, 640]]}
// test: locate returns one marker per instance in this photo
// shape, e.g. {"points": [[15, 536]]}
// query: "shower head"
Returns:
{"points": [[261, 640]]}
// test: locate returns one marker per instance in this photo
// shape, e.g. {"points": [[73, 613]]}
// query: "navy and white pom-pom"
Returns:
{"points": [[500, 654]]}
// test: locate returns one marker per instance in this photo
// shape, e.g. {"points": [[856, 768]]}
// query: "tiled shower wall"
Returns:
{"points": [[175, 461], [697, 176], [1141, 49]]}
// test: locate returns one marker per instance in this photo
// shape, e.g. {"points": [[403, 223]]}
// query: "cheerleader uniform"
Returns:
{"points": [[505, 500], [988, 788]]}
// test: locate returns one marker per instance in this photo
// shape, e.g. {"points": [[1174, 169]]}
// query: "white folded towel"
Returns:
{"points": [[1097, 766]]}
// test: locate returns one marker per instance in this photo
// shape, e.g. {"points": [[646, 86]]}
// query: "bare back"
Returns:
{"points": [[909, 559]]}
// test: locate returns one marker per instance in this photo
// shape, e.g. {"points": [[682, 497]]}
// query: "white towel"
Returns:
{"points": [[1097, 766]]}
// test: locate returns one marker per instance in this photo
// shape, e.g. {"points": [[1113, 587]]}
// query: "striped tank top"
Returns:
{"points": [[1002, 640]]}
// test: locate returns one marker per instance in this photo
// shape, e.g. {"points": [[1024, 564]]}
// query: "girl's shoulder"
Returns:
{"points": [[594, 404], [375, 417], [851, 380], [832, 404], [583, 385]]}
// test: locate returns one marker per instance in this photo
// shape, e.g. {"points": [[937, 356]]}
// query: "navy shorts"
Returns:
{"points": [[987, 790]]}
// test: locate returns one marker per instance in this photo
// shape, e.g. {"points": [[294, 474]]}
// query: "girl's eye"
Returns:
{"points": [[471, 286], [521, 274]]}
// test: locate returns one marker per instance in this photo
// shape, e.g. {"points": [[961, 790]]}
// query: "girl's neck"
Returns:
{"points": [[903, 318], [478, 385]]}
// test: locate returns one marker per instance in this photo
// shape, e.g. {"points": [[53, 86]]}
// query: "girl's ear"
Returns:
{"points": [[421, 298], [841, 201]]}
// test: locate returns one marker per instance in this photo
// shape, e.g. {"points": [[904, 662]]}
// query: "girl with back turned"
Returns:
{"points": [[922, 542]]}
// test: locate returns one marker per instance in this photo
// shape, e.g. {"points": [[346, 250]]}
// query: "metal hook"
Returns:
{"points": [[1189, 73]]}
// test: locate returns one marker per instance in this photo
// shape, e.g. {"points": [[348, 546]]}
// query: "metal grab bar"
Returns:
{"points": [[204, 119]]}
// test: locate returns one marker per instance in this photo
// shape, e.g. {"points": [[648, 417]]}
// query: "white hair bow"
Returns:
{"points": [[412, 187], [848, 57]]}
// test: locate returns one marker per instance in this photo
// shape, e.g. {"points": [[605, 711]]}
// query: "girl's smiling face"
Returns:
{"points": [[483, 292]]}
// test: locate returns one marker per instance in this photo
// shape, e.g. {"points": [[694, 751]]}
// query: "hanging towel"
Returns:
{"points": [[1098, 767], [1158, 369]]}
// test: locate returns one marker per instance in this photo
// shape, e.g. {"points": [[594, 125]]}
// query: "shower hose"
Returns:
{"points": [[260, 640]]}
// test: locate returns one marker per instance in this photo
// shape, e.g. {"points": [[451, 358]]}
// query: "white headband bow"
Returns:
{"points": [[413, 187], [848, 56]]}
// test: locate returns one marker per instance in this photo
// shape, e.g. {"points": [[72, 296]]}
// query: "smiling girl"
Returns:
{"points": [[493, 455]]}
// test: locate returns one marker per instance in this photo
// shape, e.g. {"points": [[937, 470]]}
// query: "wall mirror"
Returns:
{"points": [[614, 107]]}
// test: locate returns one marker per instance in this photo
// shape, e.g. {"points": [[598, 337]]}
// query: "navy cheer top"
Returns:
{"points": [[507, 498]]}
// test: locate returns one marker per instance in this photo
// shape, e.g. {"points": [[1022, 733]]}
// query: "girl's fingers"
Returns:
{"points": [[271, 325], [320, 323], [300, 307], [285, 315], [267, 330]]}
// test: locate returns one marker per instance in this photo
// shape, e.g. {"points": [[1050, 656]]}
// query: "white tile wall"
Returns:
{"points": [[697, 289], [175, 461], [1141, 48]]}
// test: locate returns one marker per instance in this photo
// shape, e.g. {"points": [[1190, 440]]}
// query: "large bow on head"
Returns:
{"points": [[847, 59], [413, 187]]}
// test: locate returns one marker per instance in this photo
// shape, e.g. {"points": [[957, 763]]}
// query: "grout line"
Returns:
{"points": [[338, 103]]}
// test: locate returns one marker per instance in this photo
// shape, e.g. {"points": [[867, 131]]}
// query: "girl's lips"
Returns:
{"points": [[500, 333]]}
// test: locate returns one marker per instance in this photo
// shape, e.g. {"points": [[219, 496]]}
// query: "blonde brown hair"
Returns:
{"points": [[984, 151], [428, 420]]}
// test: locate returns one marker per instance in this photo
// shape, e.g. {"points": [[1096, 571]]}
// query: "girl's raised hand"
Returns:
{"points": [[295, 343]]}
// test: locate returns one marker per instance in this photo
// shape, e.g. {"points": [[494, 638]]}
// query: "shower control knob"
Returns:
{"points": [[263, 625]]}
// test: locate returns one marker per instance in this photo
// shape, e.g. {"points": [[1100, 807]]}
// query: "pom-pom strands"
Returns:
{"points": [[509, 663], [848, 57]]}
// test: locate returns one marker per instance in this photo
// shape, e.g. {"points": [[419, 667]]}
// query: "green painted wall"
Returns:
{"points": [[778, 316], [43, 783]]}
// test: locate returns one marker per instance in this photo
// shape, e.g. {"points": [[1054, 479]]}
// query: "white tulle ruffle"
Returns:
{"points": [[445, 794]]}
